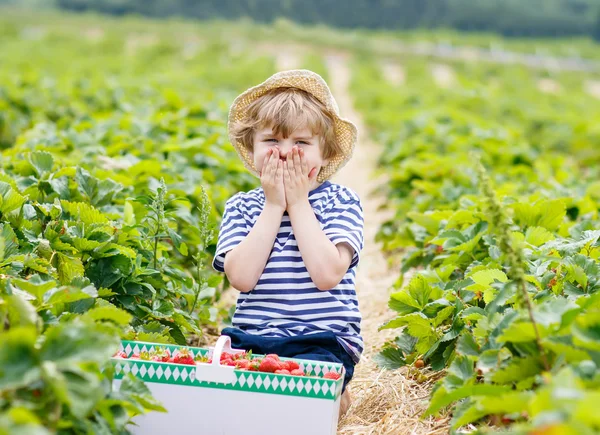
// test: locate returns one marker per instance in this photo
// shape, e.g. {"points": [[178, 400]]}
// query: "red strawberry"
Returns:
{"points": [[254, 366], [332, 375], [282, 372], [269, 365], [226, 355], [135, 356], [161, 354], [273, 356], [183, 356], [243, 364], [120, 354], [297, 372], [291, 365]]}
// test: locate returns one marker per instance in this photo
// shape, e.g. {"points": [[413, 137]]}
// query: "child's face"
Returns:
{"points": [[303, 138]]}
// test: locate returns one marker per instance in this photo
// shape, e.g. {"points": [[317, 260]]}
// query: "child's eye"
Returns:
{"points": [[269, 140], [301, 141]]}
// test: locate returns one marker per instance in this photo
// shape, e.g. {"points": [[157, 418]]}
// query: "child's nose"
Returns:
{"points": [[283, 152]]}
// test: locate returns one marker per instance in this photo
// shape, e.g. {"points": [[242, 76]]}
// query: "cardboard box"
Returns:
{"points": [[220, 400]]}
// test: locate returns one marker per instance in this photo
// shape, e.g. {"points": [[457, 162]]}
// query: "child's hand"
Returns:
{"points": [[271, 179], [296, 177]]}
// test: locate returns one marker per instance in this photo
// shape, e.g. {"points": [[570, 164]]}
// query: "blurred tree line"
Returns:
{"points": [[545, 18]]}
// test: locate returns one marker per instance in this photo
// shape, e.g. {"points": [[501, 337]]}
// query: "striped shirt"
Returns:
{"points": [[285, 302]]}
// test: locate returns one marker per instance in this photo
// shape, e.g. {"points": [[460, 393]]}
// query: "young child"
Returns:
{"points": [[291, 247]]}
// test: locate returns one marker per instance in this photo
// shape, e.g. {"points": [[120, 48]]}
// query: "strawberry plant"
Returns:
{"points": [[112, 180], [503, 292]]}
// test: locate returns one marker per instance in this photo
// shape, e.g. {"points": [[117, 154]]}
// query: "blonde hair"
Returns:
{"points": [[285, 110]]}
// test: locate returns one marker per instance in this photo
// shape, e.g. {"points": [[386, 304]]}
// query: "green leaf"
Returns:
{"points": [[517, 369], [133, 388], [128, 214], [537, 236], [487, 276], [403, 303], [442, 398], [42, 162], [84, 390], [390, 358], [72, 343], [571, 353], [518, 332], [466, 345], [10, 199], [69, 294], [69, 268], [555, 312], [460, 372], [442, 315], [11, 243], [507, 403], [109, 312], [84, 212], [587, 337], [178, 242], [35, 286], [27, 314], [19, 362]]}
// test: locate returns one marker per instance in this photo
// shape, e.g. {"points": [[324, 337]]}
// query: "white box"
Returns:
{"points": [[213, 399]]}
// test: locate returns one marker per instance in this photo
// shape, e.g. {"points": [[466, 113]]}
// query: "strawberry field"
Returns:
{"points": [[496, 196], [113, 176], [115, 167]]}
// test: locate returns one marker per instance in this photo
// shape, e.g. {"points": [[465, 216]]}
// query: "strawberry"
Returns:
{"points": [[254, 365], [226, 355], [291, 365], [135, 356], [120, 354], [332, 375], [269, 365], [161, 354], [282, 372], [273, 356], [183, 356], [243, 364], [297, 372]]}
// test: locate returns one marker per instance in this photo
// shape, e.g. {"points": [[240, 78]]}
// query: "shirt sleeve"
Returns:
{"points": [[234, 228], [344, 223]]}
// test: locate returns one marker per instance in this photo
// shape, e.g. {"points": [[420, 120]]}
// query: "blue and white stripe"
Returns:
{"points": [[285, 301]]}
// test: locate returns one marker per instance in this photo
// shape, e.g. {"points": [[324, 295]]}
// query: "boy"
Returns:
{"points": [[291, 247]]}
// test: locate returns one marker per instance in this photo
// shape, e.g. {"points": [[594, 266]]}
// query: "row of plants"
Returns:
{"points": [[114, 170], [496, 193]]}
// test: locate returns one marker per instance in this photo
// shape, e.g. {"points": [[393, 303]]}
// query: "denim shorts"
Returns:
{"points": [[321, 346]]}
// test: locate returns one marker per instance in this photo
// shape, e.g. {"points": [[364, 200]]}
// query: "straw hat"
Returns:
{"points": [[346, 133]]}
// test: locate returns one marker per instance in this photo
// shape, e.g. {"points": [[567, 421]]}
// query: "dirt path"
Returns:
{"points": [[385, 402], [393, 72], [443, 75]]}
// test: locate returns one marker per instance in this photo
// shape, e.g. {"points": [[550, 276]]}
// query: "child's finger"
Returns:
{"points": [[313, 173], [297, 165], [279, 172], [265, 165], [286, 173], [304, 163]]}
